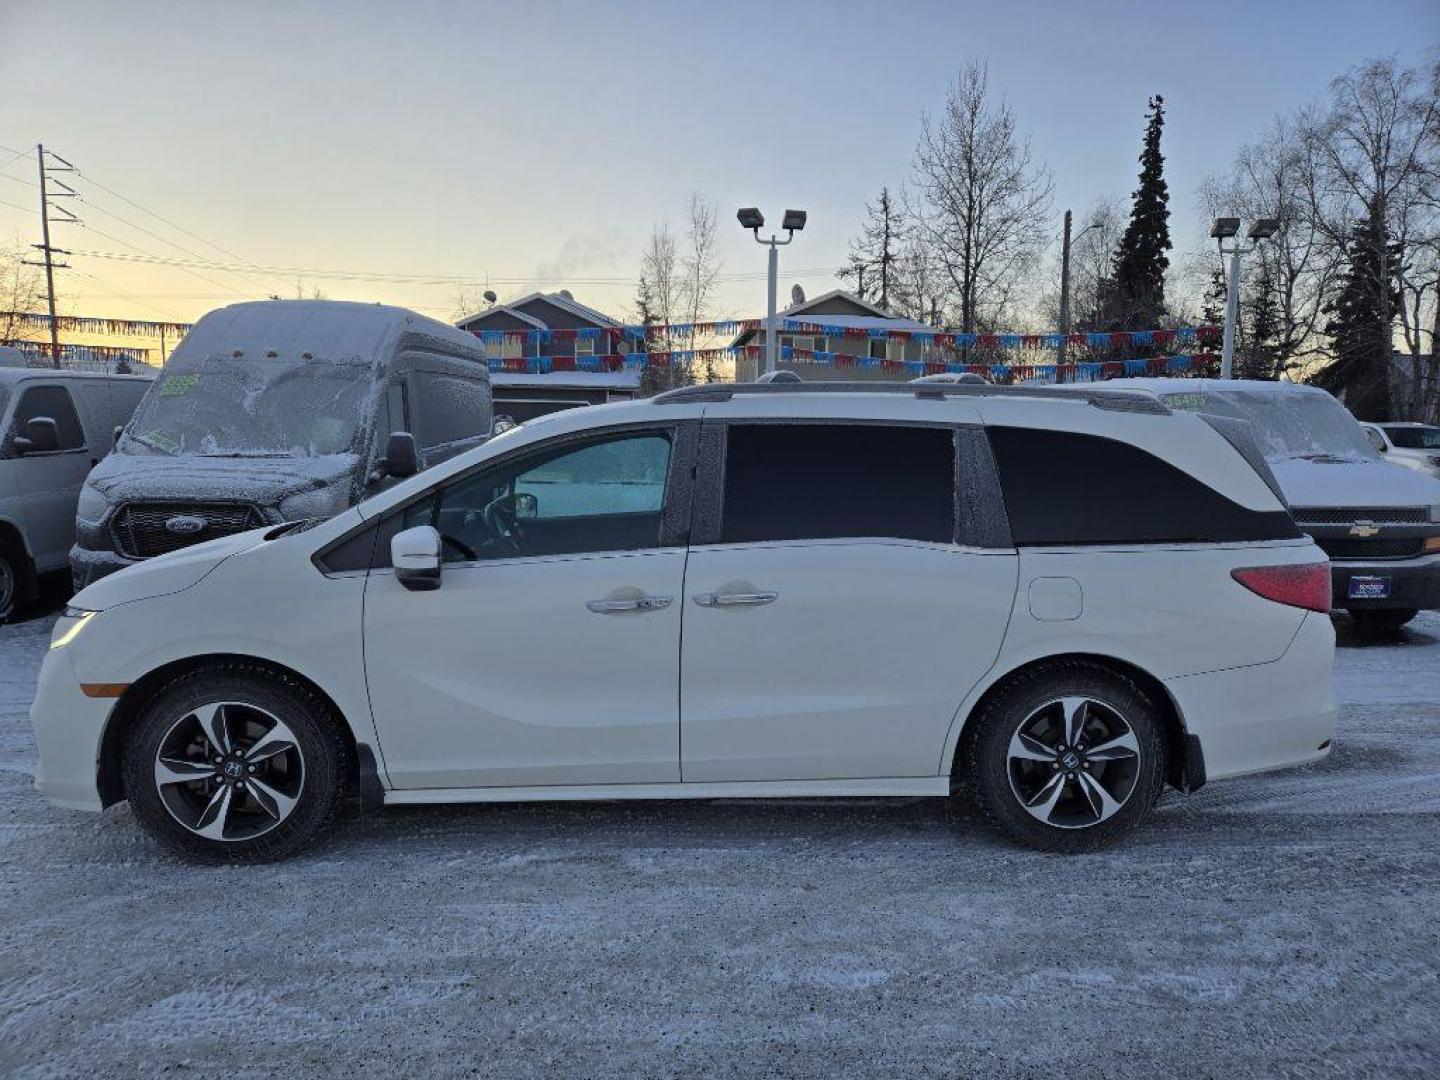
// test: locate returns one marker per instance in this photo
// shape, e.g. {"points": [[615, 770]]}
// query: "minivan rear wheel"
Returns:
{"points": [[235, 763], [1066, 757]]}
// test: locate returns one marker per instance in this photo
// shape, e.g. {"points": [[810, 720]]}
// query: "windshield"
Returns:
{"points": [[1298, 425], [238, 407], [1407, 438]]}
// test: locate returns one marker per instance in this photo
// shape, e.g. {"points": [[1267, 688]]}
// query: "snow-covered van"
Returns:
{"points": [[54, 426], [1380, 525], [275, 411]]}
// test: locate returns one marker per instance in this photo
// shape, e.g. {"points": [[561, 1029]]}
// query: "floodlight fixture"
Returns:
{"points": [[794, 220], [1225, 227], [751, 218], [1263, 228]]}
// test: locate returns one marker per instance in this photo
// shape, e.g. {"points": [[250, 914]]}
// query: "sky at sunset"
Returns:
{"points": [[534, 144]]}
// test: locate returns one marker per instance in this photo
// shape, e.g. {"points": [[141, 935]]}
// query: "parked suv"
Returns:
{"points": [[277, 411], [1415, 446], [1055, 602], [1379, 526], [54, 426]]}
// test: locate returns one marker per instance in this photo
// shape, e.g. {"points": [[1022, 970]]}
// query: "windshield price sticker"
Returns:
{"points": [[1190, 402], [179, 385]]}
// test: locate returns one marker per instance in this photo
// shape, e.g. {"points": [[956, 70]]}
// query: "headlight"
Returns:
{"points": [[69, 625], [92, 506], [321, 503]]}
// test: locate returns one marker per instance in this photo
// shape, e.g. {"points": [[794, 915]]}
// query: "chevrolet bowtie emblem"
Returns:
{"points": [[1364, 528]]}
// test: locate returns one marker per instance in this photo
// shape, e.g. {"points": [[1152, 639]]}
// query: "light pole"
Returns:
{"points": [[1228, 228], [1065, 282], [751, 218]]}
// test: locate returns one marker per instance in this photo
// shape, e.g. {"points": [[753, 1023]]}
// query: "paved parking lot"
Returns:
{"points": [[1279, 925]]}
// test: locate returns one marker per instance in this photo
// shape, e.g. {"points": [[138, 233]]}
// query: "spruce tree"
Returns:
{"points": [[1360, 329], [1261, 357], [1138, 299], [1212, 310], [875, 252]]}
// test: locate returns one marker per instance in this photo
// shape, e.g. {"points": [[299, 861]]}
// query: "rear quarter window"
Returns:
{"points": [[1063, 489]]}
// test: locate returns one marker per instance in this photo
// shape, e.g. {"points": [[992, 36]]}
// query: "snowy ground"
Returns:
{"points": [[1271, 926]]}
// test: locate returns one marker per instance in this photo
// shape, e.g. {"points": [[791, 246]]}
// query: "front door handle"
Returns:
{"points": [[753, 599], [639, 603]]}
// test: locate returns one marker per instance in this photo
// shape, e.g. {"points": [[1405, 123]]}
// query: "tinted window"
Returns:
{"points": [[54, 402], [1415, 438], [811, 481], [1062, 489], [449, 409], [602, 495]]}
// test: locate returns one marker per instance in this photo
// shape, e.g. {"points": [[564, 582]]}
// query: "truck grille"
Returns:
{"points": [[1401, 547], [1346, 515], [141, 529]]}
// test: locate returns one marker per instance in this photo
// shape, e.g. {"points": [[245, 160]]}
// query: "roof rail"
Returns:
{"points": [[1137, 401]]}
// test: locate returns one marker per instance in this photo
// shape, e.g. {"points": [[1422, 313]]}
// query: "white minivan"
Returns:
{"points": [[1379, 525], [55, 426], [1056, 603]]}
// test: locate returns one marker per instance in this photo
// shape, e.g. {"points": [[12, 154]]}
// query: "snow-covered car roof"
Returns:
{"points": [[1205, 386], [323, 328]]}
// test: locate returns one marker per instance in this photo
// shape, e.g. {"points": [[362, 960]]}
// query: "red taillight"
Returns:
{"points": [[1305, 586]]}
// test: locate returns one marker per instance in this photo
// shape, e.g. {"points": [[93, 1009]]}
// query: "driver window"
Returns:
{"points": [[602, 495]]}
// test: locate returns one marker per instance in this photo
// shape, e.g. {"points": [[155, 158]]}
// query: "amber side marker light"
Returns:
{"points": [[104, 689], [1432, 543]]}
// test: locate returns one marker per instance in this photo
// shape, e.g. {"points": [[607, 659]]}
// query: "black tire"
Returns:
{"points": [[1383, 623], [316, 787], [991, 776], [14, 581]]}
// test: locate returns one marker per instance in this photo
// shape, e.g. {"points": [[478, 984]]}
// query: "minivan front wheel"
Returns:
{"points": [[1066, 757], [235, 763]]}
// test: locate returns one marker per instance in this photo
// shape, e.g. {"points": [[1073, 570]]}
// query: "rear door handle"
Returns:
{"points": [[753, 599], [639, 603]]}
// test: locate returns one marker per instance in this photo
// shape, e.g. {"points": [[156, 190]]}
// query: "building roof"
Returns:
{"points": [[564, 303], [861, 315]]}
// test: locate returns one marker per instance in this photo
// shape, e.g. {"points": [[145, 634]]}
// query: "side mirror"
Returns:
{"points": [[401, 458], [415, 554], [526, 505], [118, 434], [502, 424], [41, 437]]}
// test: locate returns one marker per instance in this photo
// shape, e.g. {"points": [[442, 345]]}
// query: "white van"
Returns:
{"points": [[280, 410], [1379, 525], [55, 426]]}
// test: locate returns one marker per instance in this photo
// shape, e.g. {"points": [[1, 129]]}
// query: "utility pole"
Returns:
{"points": [[1065, 285], [1064, 292], [45, 247]]}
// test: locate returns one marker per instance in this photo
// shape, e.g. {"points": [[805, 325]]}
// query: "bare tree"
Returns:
{"points": [[19, 293], [980, 202], [699, 268], [1372, 153], [1298, 266], [658, 300]]}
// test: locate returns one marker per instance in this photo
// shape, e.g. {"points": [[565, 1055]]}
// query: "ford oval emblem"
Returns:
{"points": [[186, 524]]}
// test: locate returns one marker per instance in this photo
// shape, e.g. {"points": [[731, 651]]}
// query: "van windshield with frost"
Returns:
{"points": [[1298, 425], [241, 407]]}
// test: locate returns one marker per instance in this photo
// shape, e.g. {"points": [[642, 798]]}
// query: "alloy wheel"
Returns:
{"points": [[1073, 762], [229, 771]]}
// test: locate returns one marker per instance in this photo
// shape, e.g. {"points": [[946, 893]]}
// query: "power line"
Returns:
{"points": [[178, 228], [129, 296], [416, 279]]}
